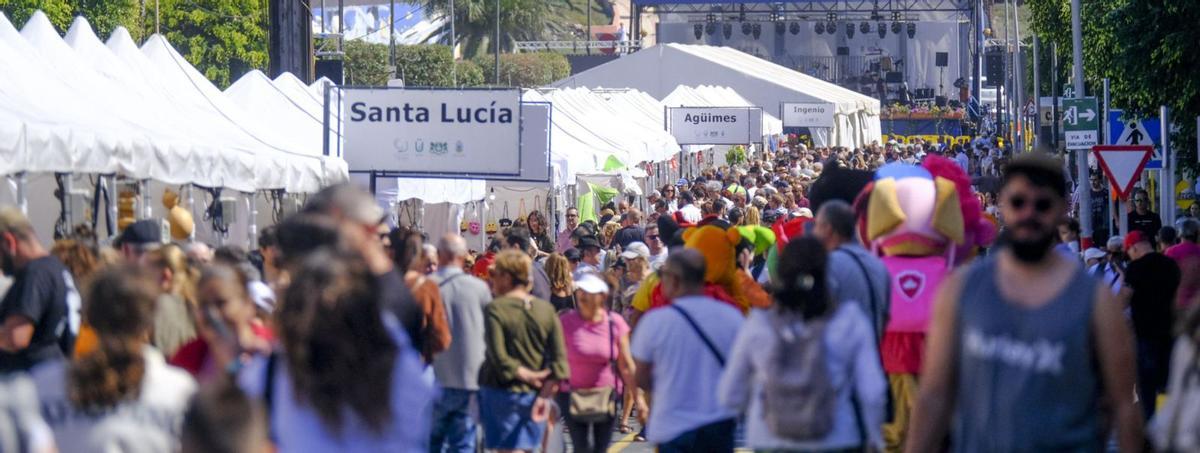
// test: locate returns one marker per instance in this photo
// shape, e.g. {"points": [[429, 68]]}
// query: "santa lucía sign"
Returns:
{"points": [[412, 131]]}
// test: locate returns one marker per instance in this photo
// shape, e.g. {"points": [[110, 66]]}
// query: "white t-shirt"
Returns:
{"points": [[151, 423], [298, 428], [685, 372]]}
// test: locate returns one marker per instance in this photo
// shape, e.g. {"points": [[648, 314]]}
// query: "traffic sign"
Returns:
{"points": [[1123, 164], [1136, 131], [1080, 123]]}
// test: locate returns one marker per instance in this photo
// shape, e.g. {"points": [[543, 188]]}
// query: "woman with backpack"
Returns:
{"points": [[806, 372]]}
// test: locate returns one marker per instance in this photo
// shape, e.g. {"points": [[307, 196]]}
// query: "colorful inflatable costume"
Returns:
{"points": [[721, 275], [922, 221]]}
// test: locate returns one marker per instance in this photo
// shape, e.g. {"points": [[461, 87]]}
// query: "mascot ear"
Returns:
{"points": [[883, 209], [947, 212], [688, 233], [733, 236]]}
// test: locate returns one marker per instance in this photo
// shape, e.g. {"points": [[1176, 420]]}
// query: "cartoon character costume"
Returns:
{"points": [[922, 221]]}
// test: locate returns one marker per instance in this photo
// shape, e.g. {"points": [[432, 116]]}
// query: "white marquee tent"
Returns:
{"points": [[79, 106], [660, 69]]}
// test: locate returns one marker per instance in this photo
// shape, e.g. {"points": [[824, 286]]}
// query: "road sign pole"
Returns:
{"points": [[1085, 193], [1104, 140], [1167, 187], [1037, 93]]}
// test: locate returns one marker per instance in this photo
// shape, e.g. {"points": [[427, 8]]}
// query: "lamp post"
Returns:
{"points": [[496, 66]]}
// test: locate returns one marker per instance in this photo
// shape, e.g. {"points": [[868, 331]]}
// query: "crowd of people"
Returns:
{"points": [[743, 300]]}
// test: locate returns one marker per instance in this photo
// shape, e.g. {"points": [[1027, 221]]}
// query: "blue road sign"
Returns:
{"points": [[1144, 131]]}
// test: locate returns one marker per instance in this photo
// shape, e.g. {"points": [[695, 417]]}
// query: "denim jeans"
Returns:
{"points": [[453, 428], [714, 437]]}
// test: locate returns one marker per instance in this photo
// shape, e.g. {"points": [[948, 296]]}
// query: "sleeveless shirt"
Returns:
{"points": [[1028, 379]]}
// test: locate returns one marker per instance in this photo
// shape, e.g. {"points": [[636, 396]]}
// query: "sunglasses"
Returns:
{"points": [[1040, 204]]}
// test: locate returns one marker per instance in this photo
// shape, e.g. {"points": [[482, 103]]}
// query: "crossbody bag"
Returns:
{"points": [[597, 404]]}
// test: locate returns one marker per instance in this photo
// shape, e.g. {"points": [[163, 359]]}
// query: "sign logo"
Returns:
{"points": [[911, 283]]}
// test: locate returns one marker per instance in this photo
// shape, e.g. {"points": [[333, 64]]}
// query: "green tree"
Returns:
{"points": [[527, 70], [19, 11], [1146, 51], [223, 39], [475, 22], [425, 65], [106, 15]]}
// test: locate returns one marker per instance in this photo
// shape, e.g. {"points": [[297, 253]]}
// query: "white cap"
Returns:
{"points": [[1093, 253], [262, 295], [1115, 242], [636, 250], [591, 283]]}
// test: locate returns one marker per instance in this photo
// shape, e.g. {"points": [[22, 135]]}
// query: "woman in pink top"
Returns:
{"points": [[597, 350]]}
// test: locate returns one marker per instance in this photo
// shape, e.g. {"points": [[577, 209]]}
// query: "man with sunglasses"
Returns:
{"points": [[658, 248], [563, 240], [1142, 218], [1100, 208], [1026, 351]]}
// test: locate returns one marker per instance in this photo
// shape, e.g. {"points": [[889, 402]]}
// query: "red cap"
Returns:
{"points": [[1134, 237]]}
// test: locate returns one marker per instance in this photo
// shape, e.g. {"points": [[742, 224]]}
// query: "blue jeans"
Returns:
{"points": [[453, 427]]}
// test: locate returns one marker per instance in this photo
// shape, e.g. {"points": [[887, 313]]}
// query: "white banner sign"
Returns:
{"points": [[715, 125], [434, 131], [807, 114]]}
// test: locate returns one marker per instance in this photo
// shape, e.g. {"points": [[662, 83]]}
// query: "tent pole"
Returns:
{"points": [[22, 197], [191, 201], [146, 200], [252, 230], [113, 206]]}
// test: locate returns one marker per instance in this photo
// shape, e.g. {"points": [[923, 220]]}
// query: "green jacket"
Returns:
{"points": [[517, 335]]}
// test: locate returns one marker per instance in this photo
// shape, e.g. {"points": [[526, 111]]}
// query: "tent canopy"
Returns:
{"points": [[660, 69], [81, 106]]}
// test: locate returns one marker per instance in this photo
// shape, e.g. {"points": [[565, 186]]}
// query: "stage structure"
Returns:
{"points": [[894, 50]]}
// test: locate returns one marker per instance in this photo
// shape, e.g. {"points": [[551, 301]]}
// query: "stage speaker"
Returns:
{"points": [[994, 63], [894, 77], [942, 59], [939, 101], [954, 103], [332, 69], [842, 51]]}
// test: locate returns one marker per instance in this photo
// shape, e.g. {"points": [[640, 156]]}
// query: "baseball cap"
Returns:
{"points": [[263, 296], [142, 232], [572, 255], [588, 241], [636, 250], [1134, 237], [1093, 253], [591, 283], [1115, 243]]}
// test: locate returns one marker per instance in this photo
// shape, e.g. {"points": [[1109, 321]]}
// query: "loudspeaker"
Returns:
{"points": [[994, 63], [939, 101], [894, 77], [332, 69], [942, 59], [841, 51]]}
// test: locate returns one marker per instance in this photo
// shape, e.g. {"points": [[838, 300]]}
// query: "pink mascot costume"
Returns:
{"points": [[922, 221]]}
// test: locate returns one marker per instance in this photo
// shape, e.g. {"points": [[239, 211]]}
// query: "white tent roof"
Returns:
{"points": [[81, 106], [658, 70], [707, 95], [587, 129]]}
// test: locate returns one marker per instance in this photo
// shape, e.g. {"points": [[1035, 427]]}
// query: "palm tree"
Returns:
{"points": [[475, 22]]}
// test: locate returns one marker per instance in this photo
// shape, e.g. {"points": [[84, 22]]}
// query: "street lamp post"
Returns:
{"points": [[496, 66], [1084, 192]]}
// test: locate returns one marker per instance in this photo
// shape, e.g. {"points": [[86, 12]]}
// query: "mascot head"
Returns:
{"points": [[910, 212]]}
